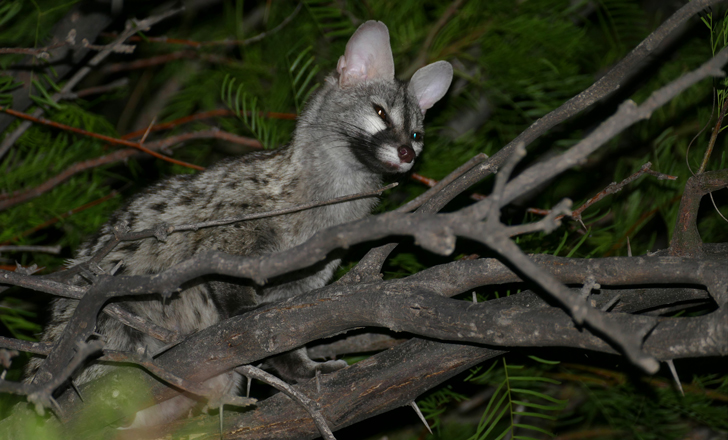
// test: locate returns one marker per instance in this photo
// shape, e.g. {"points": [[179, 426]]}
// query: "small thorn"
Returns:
{"points": [[611, 303], [414, 406], [475, 298], [57, 407], [96, 269], [675, 376], [115, 268], [149, 128], [318, 382], [165, 348], [75, 388], [629, 248], [583, 225], [222, 436]]}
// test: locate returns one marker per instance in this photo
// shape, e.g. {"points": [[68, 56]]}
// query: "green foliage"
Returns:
{"points": [[302, 71], [7, 84], [329, 19], [19, 322], [516, 401], [514, 62], [718, 40], [248, 112]]}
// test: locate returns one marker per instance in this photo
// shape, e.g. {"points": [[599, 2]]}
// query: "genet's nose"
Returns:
{"points": [[406, 153]]}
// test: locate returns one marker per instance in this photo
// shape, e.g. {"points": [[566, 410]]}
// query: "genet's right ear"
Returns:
{"points": [[368, 56]]}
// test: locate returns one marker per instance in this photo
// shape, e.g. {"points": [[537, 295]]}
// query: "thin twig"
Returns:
{"points": [[713, 136], [297, 208], [547, 224], [122, 82], [612, 188], [109, 139], [311, 406], [47, 249], [40, 52]]}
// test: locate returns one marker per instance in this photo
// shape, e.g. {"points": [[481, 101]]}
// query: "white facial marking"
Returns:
{"points": [[373, 124], [395, 115]]}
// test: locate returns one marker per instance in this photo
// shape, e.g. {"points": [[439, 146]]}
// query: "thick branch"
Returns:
{"points": [[686, 239], [278, 328]]}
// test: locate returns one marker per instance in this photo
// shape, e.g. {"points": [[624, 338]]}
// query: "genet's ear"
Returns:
{"points": [[430, 83], [368, 55]]}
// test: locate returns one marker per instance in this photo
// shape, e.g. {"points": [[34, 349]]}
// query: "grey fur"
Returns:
{"points": [[341, 146]]}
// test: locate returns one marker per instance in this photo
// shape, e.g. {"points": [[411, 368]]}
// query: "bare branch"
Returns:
{"points": [[612, 188], [48, 249]]}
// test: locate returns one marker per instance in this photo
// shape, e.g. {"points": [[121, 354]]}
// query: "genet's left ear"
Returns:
{"points": [[368, 56], [430, 83]]}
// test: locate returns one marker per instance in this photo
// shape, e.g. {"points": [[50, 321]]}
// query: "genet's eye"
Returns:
{"points": [[380, 111], [417, 137]]}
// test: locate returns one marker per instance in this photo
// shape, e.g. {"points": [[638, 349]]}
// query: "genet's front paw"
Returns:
{"points": [[296, 366], [329, 366]]}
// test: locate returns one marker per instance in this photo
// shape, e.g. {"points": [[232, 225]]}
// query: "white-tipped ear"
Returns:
{"points": [[368, 55], [430, 83]]}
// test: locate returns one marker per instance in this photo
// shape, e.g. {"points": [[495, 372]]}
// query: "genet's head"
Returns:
{"points": [[377, 117]]}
